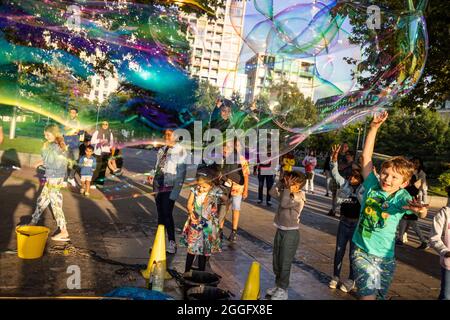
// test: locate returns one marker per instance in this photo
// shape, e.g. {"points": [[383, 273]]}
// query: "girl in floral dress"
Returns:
{"points": [[201, 230]]}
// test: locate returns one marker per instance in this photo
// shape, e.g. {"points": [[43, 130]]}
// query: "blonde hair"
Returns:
{"points": [[56, 132], [401, 165]]}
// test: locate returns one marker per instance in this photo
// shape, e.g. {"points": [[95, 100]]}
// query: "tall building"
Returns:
{"points": [[216, 46], [264, 71]]}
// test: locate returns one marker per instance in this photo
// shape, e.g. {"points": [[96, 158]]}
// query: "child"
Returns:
{"points": [[440, 241], [310, 163], [349, 196], [201, 230], [287, 221], [87, 166], [55, 162], [384, 204]]}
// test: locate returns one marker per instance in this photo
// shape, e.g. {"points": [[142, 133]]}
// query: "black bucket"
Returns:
{"points": [[197, 278], [207, 293]]}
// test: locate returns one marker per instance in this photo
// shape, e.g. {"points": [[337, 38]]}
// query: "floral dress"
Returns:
{"points": [[203, 238]]}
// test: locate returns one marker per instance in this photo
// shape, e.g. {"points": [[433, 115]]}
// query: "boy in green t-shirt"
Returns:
{"points": [[384, 204]]}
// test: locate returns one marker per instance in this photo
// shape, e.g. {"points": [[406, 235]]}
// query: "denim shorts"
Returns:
{"points": [[236, 202], [373, 275]]}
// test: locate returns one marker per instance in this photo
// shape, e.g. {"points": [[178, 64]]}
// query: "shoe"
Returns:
{"points": [[233, 236], [87, 194], [81, 190], [280, 294], [269, 203], [327, 194], [72, 182], [259, 202], [172, 247], [423, 246], [331, 213], [333, 283], [61, 238], [94, 187], [347, 286], [271, 291], [399, 242]]}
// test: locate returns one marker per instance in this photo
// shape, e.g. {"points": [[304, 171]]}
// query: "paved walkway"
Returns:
{"points": [[119, 223]]}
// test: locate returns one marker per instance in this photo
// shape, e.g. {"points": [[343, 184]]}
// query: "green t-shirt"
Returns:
{"points": [[379, 218]]}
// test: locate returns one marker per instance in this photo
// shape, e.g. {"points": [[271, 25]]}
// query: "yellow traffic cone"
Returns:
{"points": [[252, 285], [158, 252]]}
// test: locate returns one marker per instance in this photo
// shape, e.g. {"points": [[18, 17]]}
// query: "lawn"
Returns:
{"points": [[22, 144]]}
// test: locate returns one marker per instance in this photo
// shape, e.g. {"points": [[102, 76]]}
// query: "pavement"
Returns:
{"points": [[113, 230]]}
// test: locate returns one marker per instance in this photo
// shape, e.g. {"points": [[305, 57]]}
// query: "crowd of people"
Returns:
{"points": [[372, 205]]}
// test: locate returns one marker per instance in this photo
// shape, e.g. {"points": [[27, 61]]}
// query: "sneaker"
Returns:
{"points": [[347, 286], [331, 213], [259, 201], [72, 182], [233, 236], [280, 294], [81, 190], [423, 246], [269, 203], [94, 187], [271, 291], [172, 247], [60, 237], [333, 283], [405, 238]]}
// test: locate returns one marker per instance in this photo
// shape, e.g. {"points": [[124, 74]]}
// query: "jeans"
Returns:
{"points": [[164, 206], [269, 179], [445, 284], [328, 179], [73, 155], [344, 235], [284, 248], [404, 226]]}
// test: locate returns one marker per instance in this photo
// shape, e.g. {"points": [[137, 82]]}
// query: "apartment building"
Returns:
{"points": [[216, 46], [263, 71]]}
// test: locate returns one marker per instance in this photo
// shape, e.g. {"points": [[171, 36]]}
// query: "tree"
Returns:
{"points": [[207, 95], [292, 108], [432, 88]]}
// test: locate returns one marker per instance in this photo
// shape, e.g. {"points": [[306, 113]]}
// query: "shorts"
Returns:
{"points": [[86, 178], [373, 275], [236, 202]]}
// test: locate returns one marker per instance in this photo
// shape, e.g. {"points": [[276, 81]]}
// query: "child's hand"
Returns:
{"points": [[416, 206], [379, 119], [335, 152], [193, 218]]}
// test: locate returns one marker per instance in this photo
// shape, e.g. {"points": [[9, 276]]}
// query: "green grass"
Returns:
{"points": [[437, 191], [23, 144]]}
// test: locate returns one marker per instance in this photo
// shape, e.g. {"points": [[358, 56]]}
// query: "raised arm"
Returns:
{"points": [[367, 164]]}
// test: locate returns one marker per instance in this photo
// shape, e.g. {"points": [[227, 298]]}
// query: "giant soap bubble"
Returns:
{"points": [[351, 58]]}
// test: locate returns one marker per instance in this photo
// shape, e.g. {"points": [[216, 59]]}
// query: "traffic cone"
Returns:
{"points": [[252, 285], [158, 253]]}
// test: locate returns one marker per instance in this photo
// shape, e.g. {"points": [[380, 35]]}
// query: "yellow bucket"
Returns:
{"points": [[31, 241]]}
